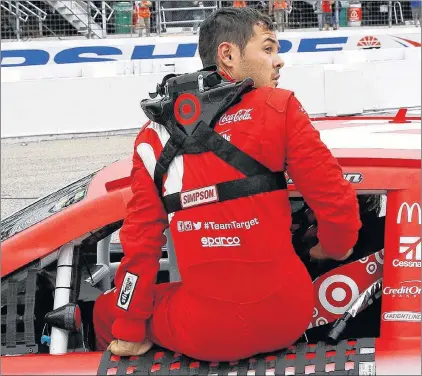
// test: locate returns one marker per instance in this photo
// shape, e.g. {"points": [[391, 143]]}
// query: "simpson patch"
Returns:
{"points": [[127, 290]]}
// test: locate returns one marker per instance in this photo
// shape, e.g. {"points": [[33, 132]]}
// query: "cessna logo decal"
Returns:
{"points": [[408, 209], [127, 290], [410, 252]]}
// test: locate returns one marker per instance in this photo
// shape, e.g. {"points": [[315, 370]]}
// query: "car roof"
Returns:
{"points": [[371, 137]]}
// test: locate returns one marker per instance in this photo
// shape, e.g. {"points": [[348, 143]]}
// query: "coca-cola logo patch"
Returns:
{"points": [[240, 115], [127, 290]]}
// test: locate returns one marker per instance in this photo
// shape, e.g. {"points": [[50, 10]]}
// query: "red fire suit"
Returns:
{"points": [[244, 290]]}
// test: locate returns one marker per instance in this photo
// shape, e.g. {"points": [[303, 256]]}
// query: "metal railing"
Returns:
{"points": [[398, 4], [21, 19], [22, 10], [183, 16]]}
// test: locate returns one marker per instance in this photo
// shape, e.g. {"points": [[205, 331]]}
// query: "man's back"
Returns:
{"points": [[248, 236]]}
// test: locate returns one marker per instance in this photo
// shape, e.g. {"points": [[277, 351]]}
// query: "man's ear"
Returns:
{"points": [[226, 54]]}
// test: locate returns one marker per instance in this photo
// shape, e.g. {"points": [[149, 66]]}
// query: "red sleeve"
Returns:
{"points": [[142, 239], [318, 176]]}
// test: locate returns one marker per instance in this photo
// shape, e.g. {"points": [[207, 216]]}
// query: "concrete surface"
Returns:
{"points": [[30, 170]]}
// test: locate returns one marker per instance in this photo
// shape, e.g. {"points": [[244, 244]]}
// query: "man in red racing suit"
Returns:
{"points": [[243, 290]]}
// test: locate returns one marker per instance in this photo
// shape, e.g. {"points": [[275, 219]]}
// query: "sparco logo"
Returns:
{"points": [[126, 291], [410, 248], [198, 196], [234, 118], [402, 316], [409, 289], [221, 241], [405, 208]]}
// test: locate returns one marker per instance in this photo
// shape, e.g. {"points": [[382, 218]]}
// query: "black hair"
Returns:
{"points": [[233, 25]]}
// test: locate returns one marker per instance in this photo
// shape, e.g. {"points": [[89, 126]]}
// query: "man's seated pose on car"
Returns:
{"points": [[243, 289]]}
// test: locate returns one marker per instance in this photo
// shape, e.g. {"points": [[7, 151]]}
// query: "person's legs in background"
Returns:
{"points": [[147, 22], [278, 16], [140, 25], [197, 18], [417, 16], [335, 21], [320, 21], [327, 20]]}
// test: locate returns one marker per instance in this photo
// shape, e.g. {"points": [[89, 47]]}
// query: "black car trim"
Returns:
{"points": [[45, 207]]}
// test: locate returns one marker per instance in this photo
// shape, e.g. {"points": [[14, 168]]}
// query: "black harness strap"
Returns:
{"points": [[28, 318], [234, 189], [260, 179], [195, 134], [12, 311], [170, 150], [228, 152]]}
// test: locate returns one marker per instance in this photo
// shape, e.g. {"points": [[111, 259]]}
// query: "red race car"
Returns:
{"points": [[60, 253]]}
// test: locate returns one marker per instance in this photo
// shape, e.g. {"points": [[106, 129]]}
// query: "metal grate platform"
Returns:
{"points": [[349, 357]]}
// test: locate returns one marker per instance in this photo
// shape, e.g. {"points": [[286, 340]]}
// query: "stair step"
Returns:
{"points": [[77, 16]]}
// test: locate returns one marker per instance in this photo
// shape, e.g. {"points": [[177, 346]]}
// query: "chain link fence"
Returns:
{"points": [[26, 20]]}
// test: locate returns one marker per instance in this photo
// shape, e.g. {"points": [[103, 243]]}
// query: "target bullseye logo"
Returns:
{"points": [[321, 321], [379, 256], [337, 292], [371, 268], [187, 109]]}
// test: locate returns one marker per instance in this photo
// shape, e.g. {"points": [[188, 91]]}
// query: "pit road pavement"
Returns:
{"points": [[32, 169]]}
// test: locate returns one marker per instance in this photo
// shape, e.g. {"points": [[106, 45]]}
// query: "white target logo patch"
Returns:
{"points": [[337, 293], [321, 321], [371, 268]]}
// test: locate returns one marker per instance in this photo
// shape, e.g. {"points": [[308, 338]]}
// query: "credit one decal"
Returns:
{"points": [[90, 54]]}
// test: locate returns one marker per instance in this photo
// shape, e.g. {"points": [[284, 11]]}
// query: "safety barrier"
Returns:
{"points": [[106, 96], [69, 52]]}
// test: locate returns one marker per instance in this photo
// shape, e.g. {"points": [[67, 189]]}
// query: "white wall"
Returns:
{"points": [[106, 96]]}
